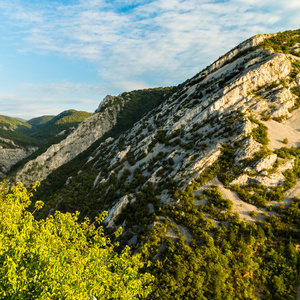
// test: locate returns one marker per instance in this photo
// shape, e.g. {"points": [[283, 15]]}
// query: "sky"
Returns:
{"points": [[70, 54]]}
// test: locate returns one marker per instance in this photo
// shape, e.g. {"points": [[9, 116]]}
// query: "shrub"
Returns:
{"points": [[58, 258], [253, 213]]}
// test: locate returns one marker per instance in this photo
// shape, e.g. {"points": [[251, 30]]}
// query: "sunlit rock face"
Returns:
{"points": [[10, 156], [79, 140], [222, 106]]}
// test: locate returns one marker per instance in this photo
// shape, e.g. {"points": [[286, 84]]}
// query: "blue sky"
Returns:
{"points": [[58, 55]]}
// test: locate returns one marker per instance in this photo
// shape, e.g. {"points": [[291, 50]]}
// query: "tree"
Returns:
{"points": [[58, 258]]}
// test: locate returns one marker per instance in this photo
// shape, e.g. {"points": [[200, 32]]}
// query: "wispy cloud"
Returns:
{"points": [[64, 88], [146, 43]]}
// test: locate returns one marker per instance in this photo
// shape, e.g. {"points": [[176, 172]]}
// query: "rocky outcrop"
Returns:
{"points": [[282, 101], [249, 147], [9, 157], [115, 211], [268, 181], [79, 140], [265, 163]]}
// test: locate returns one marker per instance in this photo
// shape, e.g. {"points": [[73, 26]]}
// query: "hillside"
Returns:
{"points": [[113, 116], [44, 128], [20, 139], [204, 181], [40, 120]]}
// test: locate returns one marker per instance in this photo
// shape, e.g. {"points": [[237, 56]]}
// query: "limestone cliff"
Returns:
{"points": [[218, 118], [79, 140], [10, 156]]}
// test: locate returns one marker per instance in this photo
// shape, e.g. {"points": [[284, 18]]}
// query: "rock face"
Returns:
{"points": [[214, 121], [266, 163], [9, 157], [115, 211], [249, 147], [79, 140]]}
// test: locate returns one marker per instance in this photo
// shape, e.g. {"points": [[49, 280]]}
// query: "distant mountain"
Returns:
{"points": [[44, 128], [40, 120], [14, 123], [19, 138], [203, 177]]}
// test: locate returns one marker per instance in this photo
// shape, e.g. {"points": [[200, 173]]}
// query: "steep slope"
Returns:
{"points": [[167, 179], [14, 145], [221, 107], [46, 127], [19, 139], [114, 114]]}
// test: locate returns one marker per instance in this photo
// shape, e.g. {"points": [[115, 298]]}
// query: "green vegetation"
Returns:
{"points": [[9, 130], [12, 122], [237, 261], [137, 104], [43, 131], [37, 131], [17, 138], [296, 65], [40, 120], [296, 91], [260, 133], [282, 41], [58, 258]]}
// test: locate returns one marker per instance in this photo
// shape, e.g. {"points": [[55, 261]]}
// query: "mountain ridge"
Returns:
{"points": [[19, 139], [204, 183]]}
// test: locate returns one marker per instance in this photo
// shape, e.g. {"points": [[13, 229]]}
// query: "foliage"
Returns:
{"points": [[37, 131], [260, 133], [17, 138], [296, 65], [58, 258], [14, 123], [138, 103], [282, 41], [237, 261], [43, 131], [40, 120]]}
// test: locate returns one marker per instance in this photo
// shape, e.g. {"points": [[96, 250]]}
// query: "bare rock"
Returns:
{"points": [[249, 147], [115, 211], [265, 163]]}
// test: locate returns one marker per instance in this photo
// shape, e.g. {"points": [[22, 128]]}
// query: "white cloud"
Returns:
{"points": [[143, 43]]}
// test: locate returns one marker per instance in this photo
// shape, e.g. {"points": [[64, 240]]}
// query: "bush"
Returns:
{"points": [[253, 213], [58, 258]]}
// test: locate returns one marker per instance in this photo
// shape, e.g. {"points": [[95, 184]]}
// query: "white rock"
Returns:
{"points": [[265, 163], [88, 131], [115, 211], [250, 146], [286, 166]]}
